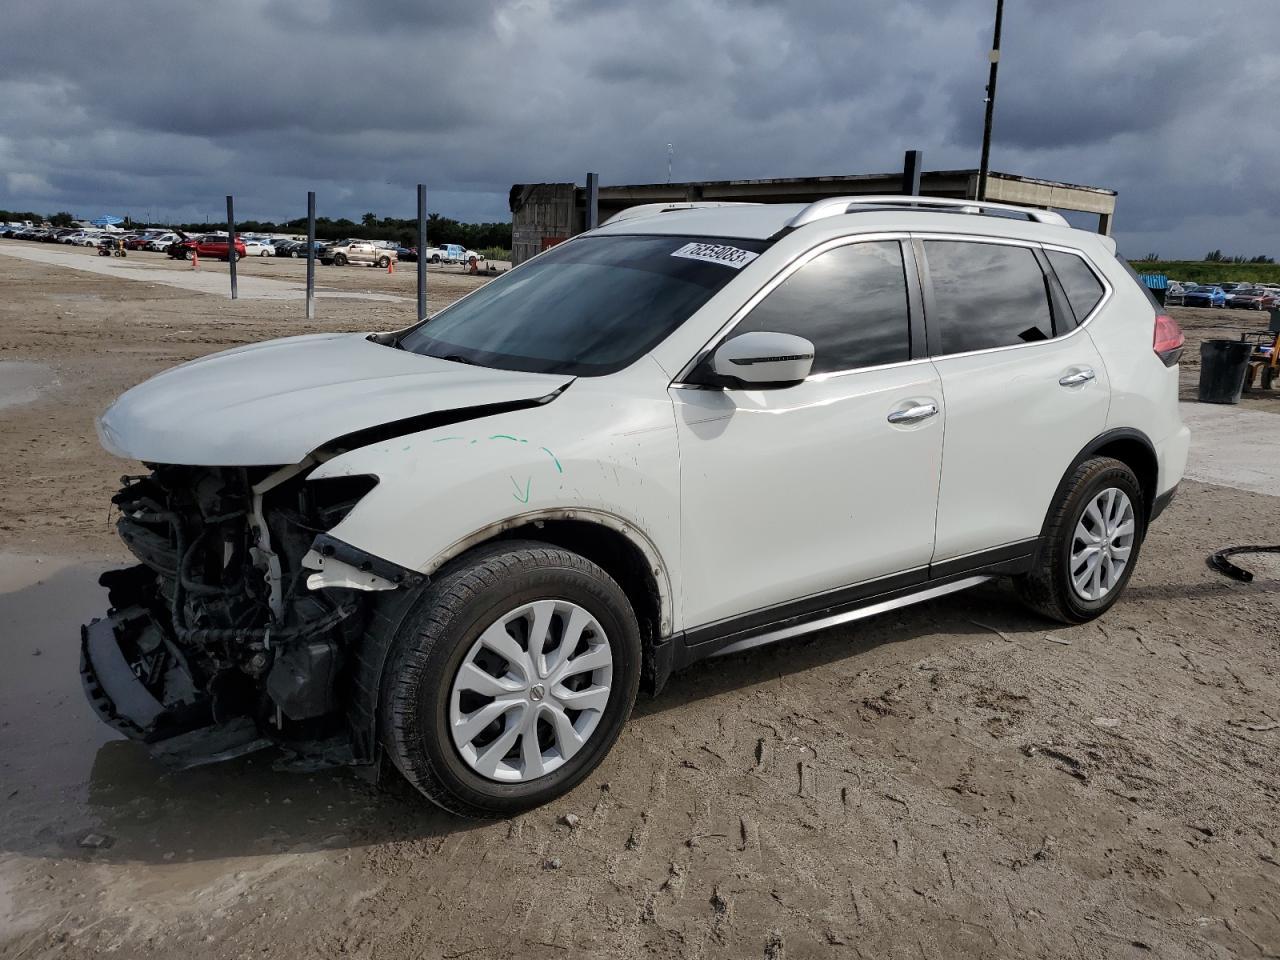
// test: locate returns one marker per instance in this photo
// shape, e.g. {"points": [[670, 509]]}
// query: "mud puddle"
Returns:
{"points": [[76, 795], [22, 382]]}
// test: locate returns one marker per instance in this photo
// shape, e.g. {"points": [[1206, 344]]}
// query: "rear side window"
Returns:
{"points": [[1081, 284], [986, 295], [850, 302]]}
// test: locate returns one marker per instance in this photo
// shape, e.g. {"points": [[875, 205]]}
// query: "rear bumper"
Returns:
{"points": [[1162, 502]]}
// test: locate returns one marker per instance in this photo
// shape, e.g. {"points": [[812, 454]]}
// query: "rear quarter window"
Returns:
{"points": [[1081, 285]]}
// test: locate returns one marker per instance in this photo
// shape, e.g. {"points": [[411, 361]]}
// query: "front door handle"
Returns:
{"points": [[1077, 378], [914, 414]]}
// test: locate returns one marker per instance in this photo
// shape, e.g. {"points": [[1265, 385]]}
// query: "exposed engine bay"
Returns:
{"points": [[215, 629]]}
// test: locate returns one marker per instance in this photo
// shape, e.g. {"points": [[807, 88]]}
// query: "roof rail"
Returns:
{"points": [[652, 209], [836, 206]]}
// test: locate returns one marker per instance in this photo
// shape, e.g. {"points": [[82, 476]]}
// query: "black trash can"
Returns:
{"points": [[1223, 364]]}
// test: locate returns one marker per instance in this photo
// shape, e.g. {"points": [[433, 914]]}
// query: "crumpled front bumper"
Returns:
{"points": [[115, 692]]}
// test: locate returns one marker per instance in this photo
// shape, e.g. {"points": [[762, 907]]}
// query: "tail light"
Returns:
{"points": [[1168, 340]]}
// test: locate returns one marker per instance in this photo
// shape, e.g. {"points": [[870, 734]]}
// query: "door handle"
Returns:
{"points": [[914, 414], [1077, 378]]}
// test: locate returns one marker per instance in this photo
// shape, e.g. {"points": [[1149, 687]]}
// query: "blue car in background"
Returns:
{"points": [[1204, 297]]}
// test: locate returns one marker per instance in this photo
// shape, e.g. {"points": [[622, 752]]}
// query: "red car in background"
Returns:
{"points": [[214, 247]]}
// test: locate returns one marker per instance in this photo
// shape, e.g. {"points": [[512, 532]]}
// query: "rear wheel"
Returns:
{"points": [[339, 260], [384, 262], [1090, 545], [511, 680]]}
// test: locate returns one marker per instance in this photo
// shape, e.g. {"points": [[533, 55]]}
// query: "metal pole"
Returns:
{"points": [[984, 166], [593, 200], [422, 252], [231, 246], [911, 173], [311, 254]]}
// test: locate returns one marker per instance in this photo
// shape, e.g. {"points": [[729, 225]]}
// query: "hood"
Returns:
{"points": [[275, 402]]}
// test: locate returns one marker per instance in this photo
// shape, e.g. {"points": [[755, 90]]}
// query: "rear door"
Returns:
{"points": [[1024, 387]]}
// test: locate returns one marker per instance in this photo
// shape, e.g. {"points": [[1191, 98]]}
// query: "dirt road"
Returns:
{"points": [[954, 780]]}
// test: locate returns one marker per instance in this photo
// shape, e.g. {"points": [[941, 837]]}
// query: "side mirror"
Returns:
{"points": [[762, 360]]}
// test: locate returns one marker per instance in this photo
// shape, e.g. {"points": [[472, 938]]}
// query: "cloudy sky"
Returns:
{"points": [[158, 109]]}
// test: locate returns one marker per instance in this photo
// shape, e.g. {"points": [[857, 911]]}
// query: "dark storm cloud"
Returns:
{"points": [[158, 109]]}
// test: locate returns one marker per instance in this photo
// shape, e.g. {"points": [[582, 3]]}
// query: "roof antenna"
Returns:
{"points": [[671, 152]]}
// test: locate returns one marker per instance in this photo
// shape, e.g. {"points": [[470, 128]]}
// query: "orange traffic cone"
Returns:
{"points": [[391, 266], [195, 259]]}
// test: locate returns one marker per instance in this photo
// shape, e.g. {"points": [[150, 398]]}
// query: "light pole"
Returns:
{"points": [[985, 165]]}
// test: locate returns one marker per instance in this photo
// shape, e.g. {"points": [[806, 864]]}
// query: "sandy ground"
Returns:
{"points": [[959, 779]]}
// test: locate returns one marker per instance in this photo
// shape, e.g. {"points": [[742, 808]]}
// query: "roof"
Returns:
{"points": [[764, 220]]}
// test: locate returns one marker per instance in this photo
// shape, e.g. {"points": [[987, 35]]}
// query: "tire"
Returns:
{"points": [[186, 254], [435, 258], [384, 262], [264, 254], [441, 636], [340, 260], [1049, 589]]}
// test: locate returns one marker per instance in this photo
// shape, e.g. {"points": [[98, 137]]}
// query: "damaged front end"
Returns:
{"points": [[215, 645]]}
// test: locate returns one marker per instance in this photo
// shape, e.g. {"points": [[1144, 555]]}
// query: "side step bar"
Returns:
{"points": [[884, 606]]}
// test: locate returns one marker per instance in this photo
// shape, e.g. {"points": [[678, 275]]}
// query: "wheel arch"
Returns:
{"points": [[1131, 447], [618, 547], [614, 544]]}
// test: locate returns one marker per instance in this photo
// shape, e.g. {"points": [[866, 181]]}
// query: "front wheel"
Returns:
{"points": [[435, 258], [1090, 545], [511, 679], [384, 262], [340, 261]]}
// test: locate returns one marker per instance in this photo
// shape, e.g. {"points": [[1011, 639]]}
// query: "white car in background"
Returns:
{"points": [[162, 243], [258, 248], [462, 546]]}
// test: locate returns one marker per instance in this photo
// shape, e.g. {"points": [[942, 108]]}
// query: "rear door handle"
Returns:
{"points": [[914, 414], [1077, 378]]}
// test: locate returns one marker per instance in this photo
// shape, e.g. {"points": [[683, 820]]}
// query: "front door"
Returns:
{"points": [[788, 493]]}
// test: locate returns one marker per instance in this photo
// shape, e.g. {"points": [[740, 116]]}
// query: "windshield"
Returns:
{"points": [[588, 307]]}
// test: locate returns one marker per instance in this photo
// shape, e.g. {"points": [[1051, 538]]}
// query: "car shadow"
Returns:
{"points": [[73, 790]]}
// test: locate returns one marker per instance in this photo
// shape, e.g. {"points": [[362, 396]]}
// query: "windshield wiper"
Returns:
{"points": [[386, 340], [458, 358]]}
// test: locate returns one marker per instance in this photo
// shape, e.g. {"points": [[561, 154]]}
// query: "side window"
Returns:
{"points": [[986, 295], [850, 302], [1081, 285]]}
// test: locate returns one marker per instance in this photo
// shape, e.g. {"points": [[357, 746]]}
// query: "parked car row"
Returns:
{"points": [[180, 246], [1241, 296]]}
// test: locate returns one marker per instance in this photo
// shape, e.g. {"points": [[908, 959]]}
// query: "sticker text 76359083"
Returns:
{"points": [[733, 257]]}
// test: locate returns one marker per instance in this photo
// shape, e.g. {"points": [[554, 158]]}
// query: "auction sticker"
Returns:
{"points": [[716, 253]]}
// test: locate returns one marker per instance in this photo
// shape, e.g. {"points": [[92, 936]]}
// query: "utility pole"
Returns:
{"points": [[231, 246], [311, 255], [985, 166], [593, 201], [422, 252]]}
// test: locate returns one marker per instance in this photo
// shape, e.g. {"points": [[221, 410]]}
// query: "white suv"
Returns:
{"points": [[463, 546]]}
